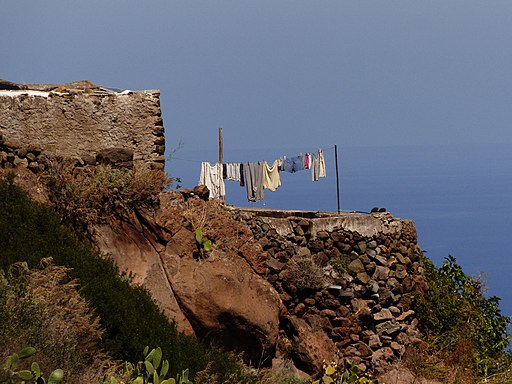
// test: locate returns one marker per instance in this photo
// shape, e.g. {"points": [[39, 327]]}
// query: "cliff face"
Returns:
{"points": [[277, 284]]}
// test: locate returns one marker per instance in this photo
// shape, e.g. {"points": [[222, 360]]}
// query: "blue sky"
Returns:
{"points": [[282, 73]]}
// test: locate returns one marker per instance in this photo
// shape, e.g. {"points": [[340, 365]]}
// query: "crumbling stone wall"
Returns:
{"points": [[84, 122], [347, 281]]}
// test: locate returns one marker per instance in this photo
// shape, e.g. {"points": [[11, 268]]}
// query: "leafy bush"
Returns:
{"points": [[30, 232], [34, 374], [459, 321]]}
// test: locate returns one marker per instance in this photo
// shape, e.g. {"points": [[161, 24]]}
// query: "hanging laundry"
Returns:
{"points": [[259, 181], [242, 180], [271, 177], [211, 176], [249, 179], [307, 161], [317, 165], [254, 181], [293, 164], [321, 160], [233, 171]]}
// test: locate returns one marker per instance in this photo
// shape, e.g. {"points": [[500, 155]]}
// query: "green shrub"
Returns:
{"points": [[347, 373], [131, 319], [32, 375], [459, 321]]}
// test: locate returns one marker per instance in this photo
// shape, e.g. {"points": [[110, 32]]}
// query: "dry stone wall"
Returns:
{"points": [[84, 124], [347, 282]]}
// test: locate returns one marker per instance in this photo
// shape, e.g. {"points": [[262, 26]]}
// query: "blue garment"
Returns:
{"points": [[293, 164]]}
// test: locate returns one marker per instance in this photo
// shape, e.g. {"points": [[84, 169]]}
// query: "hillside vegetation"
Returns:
{"points": [[130, 320], [83, 316]]}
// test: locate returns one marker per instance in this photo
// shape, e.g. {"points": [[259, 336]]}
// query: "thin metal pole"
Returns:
{"points": [[221, 147], [337, 176]]}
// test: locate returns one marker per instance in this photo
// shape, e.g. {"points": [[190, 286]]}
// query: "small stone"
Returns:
{"points": [[309, 301], [393, 284], [361, 307], [373, 286], [384, 314], [356, 266], [299, 309], [337, 237], [395, 346], [388, 328], [374, 342], [394, 310], [382, 355], [328, 313], [405, 315], [274, 264], [381, 273], [33, 166], [401, 272], [363, 349], [323, 235], [381, 259], [371, 253], [400, 258], [21, 152], [19, 162], [372, 244], [362, 246], [363, 277]]}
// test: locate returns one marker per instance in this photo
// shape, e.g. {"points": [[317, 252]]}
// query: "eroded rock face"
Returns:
{"points": [[219, 297], [226, 302]]}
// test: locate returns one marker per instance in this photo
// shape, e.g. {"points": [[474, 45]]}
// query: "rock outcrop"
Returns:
{"points": [[275, 284]]}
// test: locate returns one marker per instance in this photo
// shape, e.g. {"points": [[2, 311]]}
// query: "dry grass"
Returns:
{"points": [[304, 273], [43, 309], [92, 194]]}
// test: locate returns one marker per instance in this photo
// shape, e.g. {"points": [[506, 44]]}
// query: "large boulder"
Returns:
{"points": [[134, 250], [311, 346], [226, 302]]}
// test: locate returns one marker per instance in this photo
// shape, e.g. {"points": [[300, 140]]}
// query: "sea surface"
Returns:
{"points": [[458, 195]]}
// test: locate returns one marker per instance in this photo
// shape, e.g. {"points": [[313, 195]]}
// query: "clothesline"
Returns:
{"points": [[200, 161], [258, 176]]}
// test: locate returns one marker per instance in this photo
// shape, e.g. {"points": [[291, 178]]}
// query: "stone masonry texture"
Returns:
{"points": [[81, 123]]}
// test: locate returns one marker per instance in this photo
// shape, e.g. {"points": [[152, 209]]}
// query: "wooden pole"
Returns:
{"points": [[337, 176], [221, 147]]}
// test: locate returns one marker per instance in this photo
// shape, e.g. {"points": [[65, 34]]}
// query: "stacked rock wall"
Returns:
{"points": [[347, 281], [81, 123]]}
